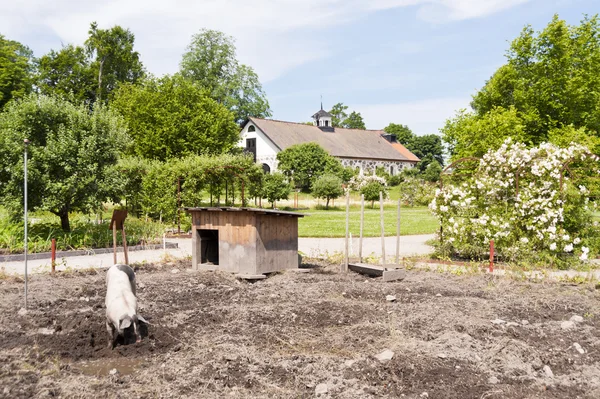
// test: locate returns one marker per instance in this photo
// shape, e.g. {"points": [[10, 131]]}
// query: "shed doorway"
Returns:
{"points": [[209, 246]]}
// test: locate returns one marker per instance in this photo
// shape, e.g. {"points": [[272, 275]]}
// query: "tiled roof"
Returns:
{"points": [[343, 143], [321, 113]]}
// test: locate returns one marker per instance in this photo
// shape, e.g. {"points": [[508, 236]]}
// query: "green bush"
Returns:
{"points": [[328, 187]]}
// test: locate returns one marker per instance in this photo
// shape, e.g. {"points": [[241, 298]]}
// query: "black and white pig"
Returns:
{"points": [[121, 304]]}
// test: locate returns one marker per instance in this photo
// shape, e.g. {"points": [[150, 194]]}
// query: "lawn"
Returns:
{"points": [[332, 223]]}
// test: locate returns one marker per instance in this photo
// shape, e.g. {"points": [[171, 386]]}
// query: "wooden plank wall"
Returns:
{"points": [[277, 243], [237, 238]]}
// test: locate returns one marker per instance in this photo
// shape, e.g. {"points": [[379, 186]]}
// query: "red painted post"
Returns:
{"points": [[491, 256], [53, 250]]}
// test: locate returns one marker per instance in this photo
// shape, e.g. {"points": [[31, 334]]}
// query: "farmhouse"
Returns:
{"points": [[361, 149]]}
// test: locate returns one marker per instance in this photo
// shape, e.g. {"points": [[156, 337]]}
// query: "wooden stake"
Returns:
{"points": [[114, 243], [124, 244], [53, 254], [398, 235], [362, 222], [382, 229], [347, 230]]}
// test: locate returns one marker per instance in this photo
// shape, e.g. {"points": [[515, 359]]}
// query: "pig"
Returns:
{"points": [[121, 303]]}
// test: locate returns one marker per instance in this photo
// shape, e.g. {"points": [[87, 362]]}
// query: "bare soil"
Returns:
{"points": [[213, 336]]}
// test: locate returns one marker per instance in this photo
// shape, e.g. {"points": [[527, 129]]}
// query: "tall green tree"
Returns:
{"points": [[354, 121], [113, 58], [67, 73], [402, 133], [338, 114], [210, 61], [276, 187], [427, 147], [341, 118], [173, 117], [16, 68], [71, 148], [303, 163], [551, 81]]}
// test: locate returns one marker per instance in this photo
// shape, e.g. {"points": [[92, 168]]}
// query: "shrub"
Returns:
{"points": [[541, 221], [328, 187], [276, 187]]}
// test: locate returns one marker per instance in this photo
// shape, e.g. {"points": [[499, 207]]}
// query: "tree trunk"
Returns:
{"points": [[327, 204], [64, 220], [99, 95]]}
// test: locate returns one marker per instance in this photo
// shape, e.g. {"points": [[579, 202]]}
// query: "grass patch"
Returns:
{"points": [[332, 222]]}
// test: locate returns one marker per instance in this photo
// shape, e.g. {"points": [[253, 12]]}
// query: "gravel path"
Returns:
{"points": [[314, 247]]}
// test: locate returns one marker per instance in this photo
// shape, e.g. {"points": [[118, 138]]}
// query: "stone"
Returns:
{"points": [[578, 348], [498, 322], [349, 363], [576, 319], [548, 371], [424, 395], [141, 285], [567, 325], [493, 380], [394, 275], [390, 298], [321, 389], [113, 372], [385, 356], [174, 271], [438, 294], [524, 322], [512, 324], [46, 331], [442, 355], [22, 312]]}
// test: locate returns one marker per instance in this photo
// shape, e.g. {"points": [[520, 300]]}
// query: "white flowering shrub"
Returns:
{"points": [[360, 181], [539, 220]]}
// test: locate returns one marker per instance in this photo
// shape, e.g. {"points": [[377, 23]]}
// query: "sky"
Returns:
{"points": [[413, 62]]}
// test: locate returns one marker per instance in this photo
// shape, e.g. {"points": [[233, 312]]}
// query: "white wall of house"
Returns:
{"points": [[266, 151]]}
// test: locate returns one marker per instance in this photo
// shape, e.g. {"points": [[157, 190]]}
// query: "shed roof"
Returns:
{"points": [[234, 209], [343, 143]]}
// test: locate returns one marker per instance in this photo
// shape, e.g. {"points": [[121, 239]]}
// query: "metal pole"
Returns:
{"points": [[398, 235], [26, 142], [179, 203], [382, 229]]}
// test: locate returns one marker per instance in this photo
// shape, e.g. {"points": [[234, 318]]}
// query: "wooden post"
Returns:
{"points": [[362, 222], [347, 230], [124, 244], [53, 249], [382, 229], [114, 243], [491, 256], [398, 235]]}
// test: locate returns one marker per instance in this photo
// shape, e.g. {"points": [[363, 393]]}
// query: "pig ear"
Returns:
{"points": [[125, 323], [140, 318]]}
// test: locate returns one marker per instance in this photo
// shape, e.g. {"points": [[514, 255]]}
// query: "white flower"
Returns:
{"points": [[566, 237], [444, 208], [576, 240], [583, 256], [524, 240], [585, 250], [568, 247], [553, 246]]}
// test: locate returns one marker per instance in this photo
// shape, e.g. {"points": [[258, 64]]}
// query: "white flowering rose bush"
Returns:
{"points": [[540, 221]]}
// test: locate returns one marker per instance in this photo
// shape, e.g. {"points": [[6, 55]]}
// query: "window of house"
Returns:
{"points": [[326, 123], [266, 168], [392, 170], [251, 128]]}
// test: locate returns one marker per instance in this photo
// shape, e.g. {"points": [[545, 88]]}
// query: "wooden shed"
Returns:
{"points": [[247, 241]]}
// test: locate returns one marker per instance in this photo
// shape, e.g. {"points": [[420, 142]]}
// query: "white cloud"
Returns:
{"points": [[272, 36], [423, 117]]}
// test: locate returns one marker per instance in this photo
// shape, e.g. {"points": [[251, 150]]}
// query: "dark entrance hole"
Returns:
{"points": [[209, 246]]}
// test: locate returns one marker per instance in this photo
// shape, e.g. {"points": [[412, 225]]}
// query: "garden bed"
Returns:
{"points": [[213, 336]]}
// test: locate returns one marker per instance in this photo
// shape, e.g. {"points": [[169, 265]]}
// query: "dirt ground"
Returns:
{"points": [[296, 334]]}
